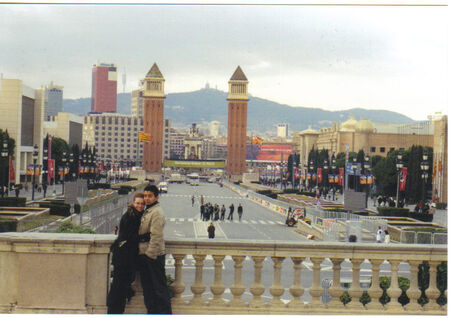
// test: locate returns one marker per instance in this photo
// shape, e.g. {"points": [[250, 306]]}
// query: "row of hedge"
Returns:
{"points": [[403, 212], [8, 225], [95, 186], [441, 205], [13, 201], [56, 208], [268, 193]]}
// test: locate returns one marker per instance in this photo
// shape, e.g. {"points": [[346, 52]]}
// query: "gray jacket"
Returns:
{"points": [[153, 221]]}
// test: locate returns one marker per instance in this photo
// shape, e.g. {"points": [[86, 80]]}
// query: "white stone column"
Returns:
{"points": [[198, 287], [316, 290], [355, 291], [217, 288], [296, 289], [432, 292], [257, 288], [336, 289], [237, 289], [414, 292], [276, 290], [178, 285], [375, 292], [394, 291]]}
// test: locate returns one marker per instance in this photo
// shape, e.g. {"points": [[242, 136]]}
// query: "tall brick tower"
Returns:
{"points": [[153, 94], [237, 124]]}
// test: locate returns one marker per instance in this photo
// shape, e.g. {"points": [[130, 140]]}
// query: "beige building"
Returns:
{"points": [[22, 115], [66, 126], [440, 161], [115, 136], [193, 144]]}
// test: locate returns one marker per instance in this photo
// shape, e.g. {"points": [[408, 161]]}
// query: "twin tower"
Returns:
{"points": [[153, 95]]}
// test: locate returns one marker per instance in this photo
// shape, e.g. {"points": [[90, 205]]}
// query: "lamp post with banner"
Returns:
{"points": [[424, 166], [399, 166], [5, 157], [64, 161], [367, 166], [35, 157], [354, 167], [311, 169]]}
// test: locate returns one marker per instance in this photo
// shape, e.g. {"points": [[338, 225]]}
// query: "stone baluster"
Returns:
{"points": [[198, 287], [257, 288], [394, 291], [355, 291], [296, 289], [375, 292], [276, 290], [178, 285], [316, 290], [237, 289], [336, 290], [433, 292], [217, 288], [444, 308], [414, 292]]}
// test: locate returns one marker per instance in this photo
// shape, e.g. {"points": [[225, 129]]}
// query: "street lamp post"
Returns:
{"points": [[70, 165], [399, 165], [35, 156], [293, 170], [325, 168], [5, 156], [45, 171], [311, 169], [366, 171], [424, 166], [333, 169], [354, 167], [64, 160]]}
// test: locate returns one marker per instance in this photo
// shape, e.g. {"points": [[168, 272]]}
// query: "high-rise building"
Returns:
{"points": [[104, 88], [237, 124], [214, 128], [53, 100], [282, 130], [137, 101], [153, 119], [66, 126], [176, 144]]}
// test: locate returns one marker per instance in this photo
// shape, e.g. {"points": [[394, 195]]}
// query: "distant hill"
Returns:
{"points": [[206, 105]]}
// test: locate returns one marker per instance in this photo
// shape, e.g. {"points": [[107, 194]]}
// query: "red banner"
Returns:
{"points": [[319, 175], [341, 176], [100, 166], [403, 174], [12, 175], [51, 168]]}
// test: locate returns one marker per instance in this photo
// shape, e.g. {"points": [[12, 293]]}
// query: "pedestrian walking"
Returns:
{"points": [[222, 212], [240, 210], [193, 200], [387, 237], [216, 212], [152, 255], [202, 211], [124, 256], [17, 190], [202, 199], [230, 216], [211, 231], [379, 234]]}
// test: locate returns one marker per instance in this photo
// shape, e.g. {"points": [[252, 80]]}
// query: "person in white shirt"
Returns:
{"points": [[387, 237], [379, 234]]}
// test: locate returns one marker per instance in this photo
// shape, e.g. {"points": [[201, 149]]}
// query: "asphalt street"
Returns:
{"points": [[258, 223]]}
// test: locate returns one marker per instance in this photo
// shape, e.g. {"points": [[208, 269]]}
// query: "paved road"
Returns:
{"points": [[258, 223]]}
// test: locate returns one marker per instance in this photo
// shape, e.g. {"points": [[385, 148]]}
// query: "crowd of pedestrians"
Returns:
{"points": [[215, 212]]}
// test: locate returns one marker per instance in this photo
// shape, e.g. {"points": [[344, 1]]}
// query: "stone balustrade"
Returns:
{"points": [[68, 273]]}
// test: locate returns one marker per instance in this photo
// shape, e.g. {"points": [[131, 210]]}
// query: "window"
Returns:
{"points": [[373, 149], [115, 139], [382, 149], [116, 128], [121, 139], [391, 149], [109, 128], [116, 134]]}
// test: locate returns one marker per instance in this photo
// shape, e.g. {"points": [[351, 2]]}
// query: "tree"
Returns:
{"points": [[59, 146]]}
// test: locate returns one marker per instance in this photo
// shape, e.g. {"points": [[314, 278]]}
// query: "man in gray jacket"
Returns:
{"points": [[152, 255]]}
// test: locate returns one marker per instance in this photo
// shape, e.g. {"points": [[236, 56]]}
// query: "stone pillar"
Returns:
{"points": [[336, 290], [355, 291], [257, 288], [296, 289], [414, 292], [433, 292], [375, 292], [217, 288], [316, 290], [178, 285], [237, 289], [198, 287], [276, 289], [394, 291]]}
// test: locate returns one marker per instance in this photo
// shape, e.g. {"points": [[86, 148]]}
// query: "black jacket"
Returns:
{"points": [[125, 247]]}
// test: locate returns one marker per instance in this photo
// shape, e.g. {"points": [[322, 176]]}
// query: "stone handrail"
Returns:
{"points": [[68, 273]]}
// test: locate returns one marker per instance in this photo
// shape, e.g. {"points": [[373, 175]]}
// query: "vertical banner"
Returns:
{"points": [[51, 168], [403, 174], [319, 175], [341, 176], [330, 178], [369, 179], [12, 175], [363, 179]]}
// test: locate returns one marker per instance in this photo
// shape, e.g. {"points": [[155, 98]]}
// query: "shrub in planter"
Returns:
{"points": [[391, 211], [268, 193], [290, 191], [123, 190], [8, 225], [309, 194], [13, 201], [441, 205], [69, 227]]}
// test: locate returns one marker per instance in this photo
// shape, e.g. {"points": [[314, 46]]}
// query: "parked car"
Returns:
{"points": [[163, 188]]}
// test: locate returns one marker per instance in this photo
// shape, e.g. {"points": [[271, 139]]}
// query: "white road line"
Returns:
{"points": [[279, 222], [253, 221], [190, 220], [245, 222], [172, 219], [181, 220], [262, 222]]}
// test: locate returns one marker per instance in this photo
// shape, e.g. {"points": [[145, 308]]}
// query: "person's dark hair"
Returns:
{"points": [[153, 189]]}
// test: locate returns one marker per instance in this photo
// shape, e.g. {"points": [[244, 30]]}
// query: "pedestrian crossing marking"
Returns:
{"points": [[262, 222]]}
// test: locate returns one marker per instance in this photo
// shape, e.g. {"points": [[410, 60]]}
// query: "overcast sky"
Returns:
{"points": [[330, 57]]}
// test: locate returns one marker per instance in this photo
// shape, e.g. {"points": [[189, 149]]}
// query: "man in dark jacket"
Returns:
{"points": [[124, 259], [230, 216], [240, 211], [211, 231]]}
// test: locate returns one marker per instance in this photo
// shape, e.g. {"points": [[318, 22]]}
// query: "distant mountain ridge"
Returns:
{"points": [[207, 104]]}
